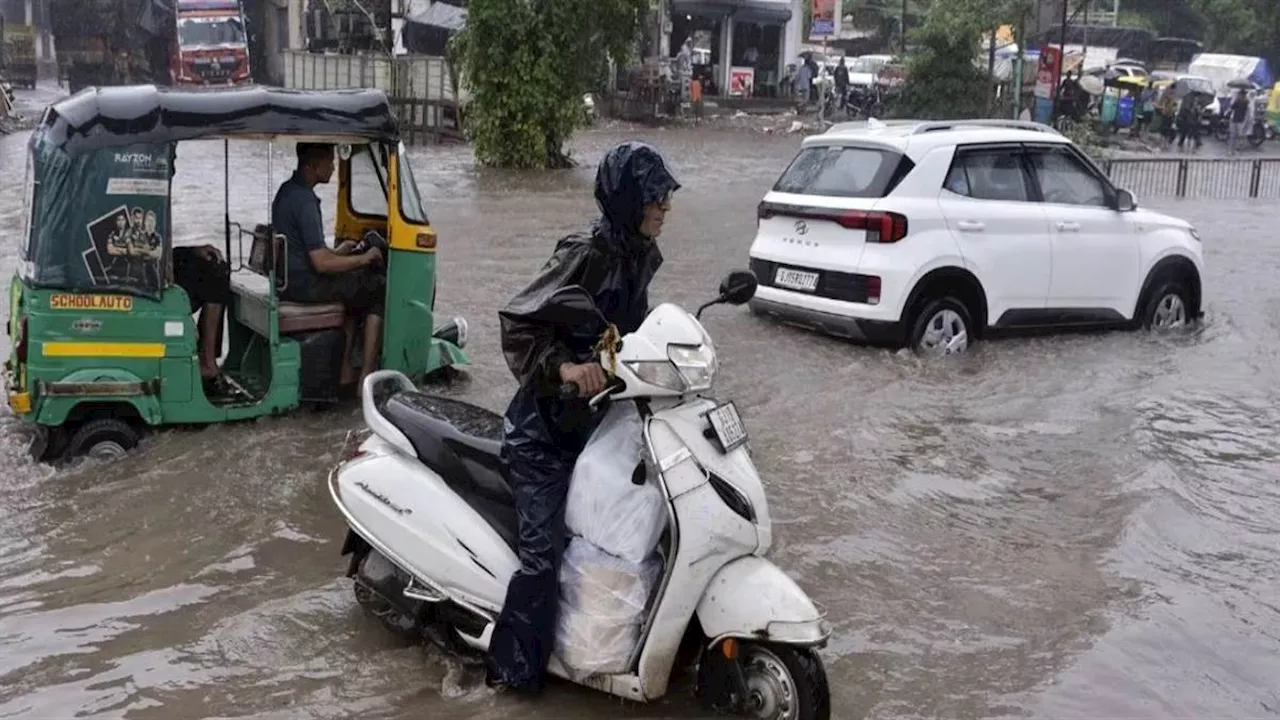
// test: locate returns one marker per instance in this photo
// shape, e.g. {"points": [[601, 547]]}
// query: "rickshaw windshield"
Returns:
{"points": [[410, 198], [30, 190], [369, 181], [100, 221]]}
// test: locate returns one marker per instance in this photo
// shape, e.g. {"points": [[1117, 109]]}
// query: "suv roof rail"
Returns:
{"points": [[866, 125], [918, 127], [937, 125]]}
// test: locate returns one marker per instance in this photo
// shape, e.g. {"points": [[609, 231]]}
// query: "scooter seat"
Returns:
{"points": [[462, 444]]}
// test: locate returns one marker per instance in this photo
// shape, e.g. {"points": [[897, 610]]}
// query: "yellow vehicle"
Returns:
{"points": [[104, 343]]}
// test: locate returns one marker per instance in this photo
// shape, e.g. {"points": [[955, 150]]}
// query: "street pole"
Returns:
{"points": [[1062, 60], [1020, 64], [1084, 28], [903, 25], [991, 70]]}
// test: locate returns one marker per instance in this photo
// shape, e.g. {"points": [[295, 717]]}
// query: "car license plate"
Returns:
{"points": [[728, 426], [796, 279]]}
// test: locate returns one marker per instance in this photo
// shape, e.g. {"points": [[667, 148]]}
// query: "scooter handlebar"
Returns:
{"points": [[569, 390]]}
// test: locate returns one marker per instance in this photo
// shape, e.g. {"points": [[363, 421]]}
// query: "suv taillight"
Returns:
{"points": [[881, 227]]}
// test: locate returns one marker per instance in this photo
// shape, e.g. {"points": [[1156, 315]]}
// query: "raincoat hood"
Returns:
{"points": [[630, 176]]}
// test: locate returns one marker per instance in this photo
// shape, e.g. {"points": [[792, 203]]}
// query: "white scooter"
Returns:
{"points": [[433, 525]]}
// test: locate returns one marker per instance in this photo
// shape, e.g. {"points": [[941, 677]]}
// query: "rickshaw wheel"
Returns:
{"points": [[104, 439]]}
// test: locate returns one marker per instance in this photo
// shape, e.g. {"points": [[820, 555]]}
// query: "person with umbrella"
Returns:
{"points": [[1166, 107], [1239, 115], [1189, 110]]}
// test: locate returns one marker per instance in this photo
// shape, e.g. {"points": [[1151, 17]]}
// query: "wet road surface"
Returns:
{"points": [[1066, 527]]}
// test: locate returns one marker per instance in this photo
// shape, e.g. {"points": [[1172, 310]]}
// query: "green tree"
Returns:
{"points": [[528, 63], [1239, 27], [944, 80]]}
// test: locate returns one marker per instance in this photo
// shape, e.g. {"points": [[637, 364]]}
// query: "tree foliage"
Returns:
{"points": [[944, 81], [528, 63], [1238, 27]]}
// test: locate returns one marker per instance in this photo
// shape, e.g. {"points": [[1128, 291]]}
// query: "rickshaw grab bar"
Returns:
{"points": [[97, 389]]}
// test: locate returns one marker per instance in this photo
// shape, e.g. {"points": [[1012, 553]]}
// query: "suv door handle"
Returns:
{"points": [[1069, 227], [971, 226]]}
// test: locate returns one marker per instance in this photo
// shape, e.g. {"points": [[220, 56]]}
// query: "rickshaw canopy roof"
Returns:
{"points": [[99, 118]]}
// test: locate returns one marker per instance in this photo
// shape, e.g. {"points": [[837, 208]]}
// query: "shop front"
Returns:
{"points": [[741, 42]]}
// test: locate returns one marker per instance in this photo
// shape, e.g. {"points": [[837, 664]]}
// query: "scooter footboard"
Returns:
{"points": [[752, 598]]}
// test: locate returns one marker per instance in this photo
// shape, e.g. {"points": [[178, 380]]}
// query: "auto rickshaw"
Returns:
{"points": [[101, 353], [1273, 108]]}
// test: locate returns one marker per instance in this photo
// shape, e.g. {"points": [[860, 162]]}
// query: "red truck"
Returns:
{"points": [[210, 45]]}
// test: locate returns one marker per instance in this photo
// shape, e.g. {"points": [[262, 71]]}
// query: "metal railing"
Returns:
{"points": [[419, 87], [1214, 178]]}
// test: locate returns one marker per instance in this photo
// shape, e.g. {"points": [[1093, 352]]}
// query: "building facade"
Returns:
{"points": [[743, 46]]}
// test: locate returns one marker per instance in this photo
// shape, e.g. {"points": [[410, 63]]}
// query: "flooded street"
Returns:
{"points": [[1070, 527]]}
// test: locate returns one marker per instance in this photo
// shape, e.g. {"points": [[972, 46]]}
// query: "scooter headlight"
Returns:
{"points": [[696, 364], [691, 368], [661, 374]]}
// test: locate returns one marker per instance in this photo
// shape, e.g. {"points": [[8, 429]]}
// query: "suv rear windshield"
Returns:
{"points": [[843, 171]]}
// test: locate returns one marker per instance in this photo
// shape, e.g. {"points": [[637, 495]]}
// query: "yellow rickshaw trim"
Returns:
{"points": [[20, 402], [104, 349]]}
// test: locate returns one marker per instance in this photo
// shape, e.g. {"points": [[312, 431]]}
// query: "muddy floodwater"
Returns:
{"points": [[1084, 526]]}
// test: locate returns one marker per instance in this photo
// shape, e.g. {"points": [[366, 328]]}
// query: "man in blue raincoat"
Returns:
{"points": [[614, 261]]}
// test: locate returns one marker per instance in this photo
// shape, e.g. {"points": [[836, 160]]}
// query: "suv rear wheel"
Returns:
{"points": [[943, 327]]}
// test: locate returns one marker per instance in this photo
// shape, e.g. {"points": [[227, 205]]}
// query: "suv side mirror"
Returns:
{"points": [[738, 287], [1125, 202]]}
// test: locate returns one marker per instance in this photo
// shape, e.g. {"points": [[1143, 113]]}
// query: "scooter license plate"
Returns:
{"points": [[728, 426]]}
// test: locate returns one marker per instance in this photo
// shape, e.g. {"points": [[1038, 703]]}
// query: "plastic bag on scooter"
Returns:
{"points": [[603, 600], [623, 519]]}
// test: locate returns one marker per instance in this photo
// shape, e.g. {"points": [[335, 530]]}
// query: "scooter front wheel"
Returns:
{"points": [[780, 682]]}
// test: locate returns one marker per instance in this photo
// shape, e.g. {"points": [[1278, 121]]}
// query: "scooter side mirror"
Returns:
{"points": [[738, 287]]}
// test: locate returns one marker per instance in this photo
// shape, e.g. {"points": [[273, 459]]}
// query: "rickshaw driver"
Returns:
{"points": [[318, 274]]}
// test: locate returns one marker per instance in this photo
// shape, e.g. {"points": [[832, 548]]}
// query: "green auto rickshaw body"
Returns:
{"points": [[100, 333]]}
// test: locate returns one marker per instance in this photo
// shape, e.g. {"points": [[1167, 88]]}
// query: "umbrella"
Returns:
{"points": [[1186, 86], [1092, 84]]}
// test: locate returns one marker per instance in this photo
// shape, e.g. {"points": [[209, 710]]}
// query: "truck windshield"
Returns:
{"points": [[197, 32]]}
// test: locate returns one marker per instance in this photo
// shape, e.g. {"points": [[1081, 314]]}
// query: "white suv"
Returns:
{"points": [[933, 234]]}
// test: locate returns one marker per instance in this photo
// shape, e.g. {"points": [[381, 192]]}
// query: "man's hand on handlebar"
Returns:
{"points": [[588, 377], [346, 247]]}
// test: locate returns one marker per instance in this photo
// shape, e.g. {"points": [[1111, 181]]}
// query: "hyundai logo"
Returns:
{"points": [[801, 227]]}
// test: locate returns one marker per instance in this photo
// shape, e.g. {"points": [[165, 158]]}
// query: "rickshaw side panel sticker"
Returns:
{"points": [[67, 301], [102, 221], [127, 248]]}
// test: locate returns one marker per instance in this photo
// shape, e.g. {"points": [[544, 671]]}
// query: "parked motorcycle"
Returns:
{"points": [[432, 525], [1261, 132], [1215, 123], [858, 101]]}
